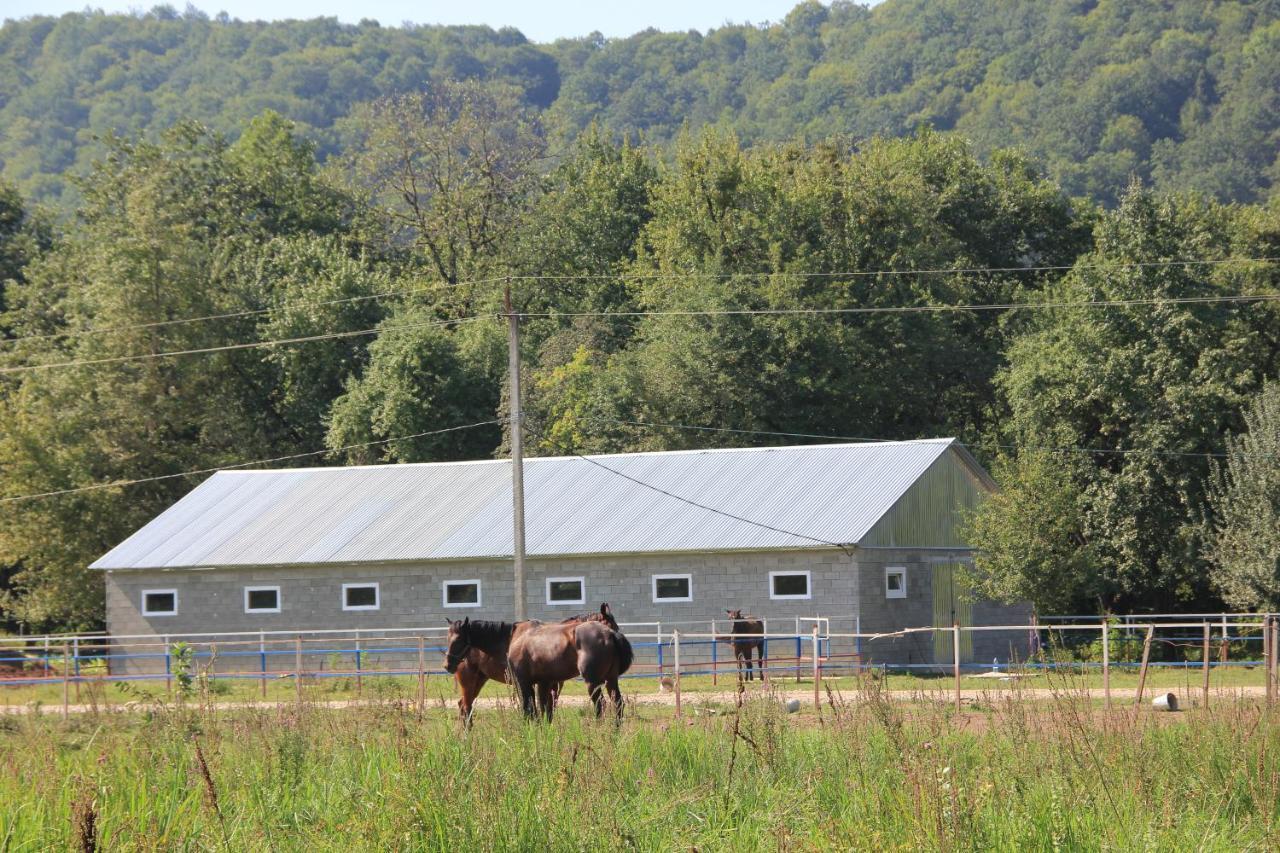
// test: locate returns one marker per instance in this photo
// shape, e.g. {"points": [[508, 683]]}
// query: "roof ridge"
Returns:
{"points": [[638, 453]]}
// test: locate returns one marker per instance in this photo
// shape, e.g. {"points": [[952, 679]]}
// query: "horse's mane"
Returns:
{"points": [[485, 632]]}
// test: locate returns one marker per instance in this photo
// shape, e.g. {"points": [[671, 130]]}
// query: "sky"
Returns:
{"points": [[541, 21]]}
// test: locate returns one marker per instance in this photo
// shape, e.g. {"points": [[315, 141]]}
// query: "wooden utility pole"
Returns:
{"points": [[517, 455]]}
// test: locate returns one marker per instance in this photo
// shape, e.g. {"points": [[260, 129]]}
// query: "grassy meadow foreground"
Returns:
{"points": [[865, 774]]}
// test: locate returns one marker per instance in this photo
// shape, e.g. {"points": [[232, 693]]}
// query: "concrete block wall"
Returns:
{"points": [[842, 588], [411, 596]]}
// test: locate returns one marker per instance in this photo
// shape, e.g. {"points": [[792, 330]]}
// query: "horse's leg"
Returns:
{"points": [[546, 699], [595, 689], [526, 697], [615, 693], [470, 681]]}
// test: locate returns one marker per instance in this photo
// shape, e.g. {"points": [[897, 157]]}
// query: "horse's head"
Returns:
{"points": [[734, 614], [457, 645]]}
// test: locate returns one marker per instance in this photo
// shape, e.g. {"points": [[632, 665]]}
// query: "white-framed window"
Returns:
{"points": [[672, 588], [360, 596], [461, 593], [159, 602], [262, 599], [789, 585], [895, 582], [566, 591]]}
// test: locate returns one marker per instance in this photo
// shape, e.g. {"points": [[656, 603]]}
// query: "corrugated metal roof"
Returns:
{"points": [[462, 510]]}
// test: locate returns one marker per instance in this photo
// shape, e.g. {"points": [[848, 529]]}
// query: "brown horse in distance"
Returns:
{"points": [[476, 652], [543, 657], [742, 645]]}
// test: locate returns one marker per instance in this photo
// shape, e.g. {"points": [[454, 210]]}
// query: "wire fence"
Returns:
{"points": [[786, 650]]}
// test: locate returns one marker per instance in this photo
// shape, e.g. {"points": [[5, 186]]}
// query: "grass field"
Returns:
{"points": [[865, 774]]}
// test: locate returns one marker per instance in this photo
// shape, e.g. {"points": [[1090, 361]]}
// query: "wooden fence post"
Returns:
{"points": [[817, 673], [1106, 663], [675, 650], [297, 668], [955, 658], [1146, 658], [1204, 666]]}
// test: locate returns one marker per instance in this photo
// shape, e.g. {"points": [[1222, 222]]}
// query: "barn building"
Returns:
{"points": [[866, 534]]}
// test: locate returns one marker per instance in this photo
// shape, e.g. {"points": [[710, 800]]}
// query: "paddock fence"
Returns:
{"points": [[792, 650]]}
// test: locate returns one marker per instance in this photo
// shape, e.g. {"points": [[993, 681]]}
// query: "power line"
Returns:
{"points": [[916, 309], [897, 272], [708, 313], [230, 347], [654, 276], [248, 312], [683, 499], [122, 483]]}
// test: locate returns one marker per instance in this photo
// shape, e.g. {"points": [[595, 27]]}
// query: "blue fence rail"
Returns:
{"points": [[265, 657]]}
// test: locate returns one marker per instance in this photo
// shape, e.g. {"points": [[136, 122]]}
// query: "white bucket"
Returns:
{"points": [[1165, 702]]}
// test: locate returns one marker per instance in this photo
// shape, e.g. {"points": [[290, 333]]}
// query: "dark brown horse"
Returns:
{"points": [[476, 652], [742, 645], [543, 657]]}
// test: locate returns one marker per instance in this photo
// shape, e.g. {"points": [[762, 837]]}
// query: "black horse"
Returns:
{"points": [[740, 635]]}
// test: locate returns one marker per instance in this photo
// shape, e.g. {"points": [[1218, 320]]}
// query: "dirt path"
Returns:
{"points": [[969, 696]]}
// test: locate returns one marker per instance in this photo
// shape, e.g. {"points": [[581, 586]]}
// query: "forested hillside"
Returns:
{"points": [[1182, 94]]}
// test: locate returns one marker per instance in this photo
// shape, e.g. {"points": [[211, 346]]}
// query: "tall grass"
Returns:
{"points": [[866, 774]]}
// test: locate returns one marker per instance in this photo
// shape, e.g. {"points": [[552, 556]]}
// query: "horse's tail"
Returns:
{"points": [[626, 654]]}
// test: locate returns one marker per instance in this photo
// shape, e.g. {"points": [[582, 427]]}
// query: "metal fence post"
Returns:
{"points": [[955, 658], [764, 651], [857, 643], [1267, 652], [66, 682], [422, 675], [297, 668], [715, 661], [1204, 666], [262, 662], [799, 650], [675, 650], [359, 681], [659, 630], [1106, 663], [168, 670], [75, 660], [1275, 655], [817, 674]]}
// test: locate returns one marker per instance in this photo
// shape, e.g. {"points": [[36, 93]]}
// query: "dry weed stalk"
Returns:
{"points": [[84, 820], [210, 790]]}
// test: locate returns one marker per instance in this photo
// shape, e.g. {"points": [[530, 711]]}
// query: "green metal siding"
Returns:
{"points": [[951, 606], [928, 515]]}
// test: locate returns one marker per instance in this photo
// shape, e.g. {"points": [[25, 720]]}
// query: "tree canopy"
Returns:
{"points": [[1183, 95]]}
